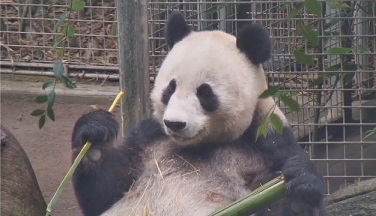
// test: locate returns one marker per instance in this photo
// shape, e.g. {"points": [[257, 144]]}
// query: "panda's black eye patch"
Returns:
{"points": [[208, 100], [168, 92]]}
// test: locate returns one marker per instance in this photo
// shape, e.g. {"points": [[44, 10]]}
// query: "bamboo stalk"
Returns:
{"points": [[258, 199], [77, 161]]}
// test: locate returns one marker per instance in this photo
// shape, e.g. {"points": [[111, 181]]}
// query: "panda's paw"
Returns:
{"points": [[98, 127], [303, 181]]}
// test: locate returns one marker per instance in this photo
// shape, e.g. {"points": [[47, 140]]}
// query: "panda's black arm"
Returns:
{"points": [[304, 181], [107, 171]]}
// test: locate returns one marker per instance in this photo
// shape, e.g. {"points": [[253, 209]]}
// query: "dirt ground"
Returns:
{"points": [[49, 148]]}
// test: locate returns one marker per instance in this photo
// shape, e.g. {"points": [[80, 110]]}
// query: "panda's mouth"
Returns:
{"points": [[182, 139]]}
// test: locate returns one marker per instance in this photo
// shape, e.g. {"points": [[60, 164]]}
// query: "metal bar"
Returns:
{"points": [[71, 74], [48, 65]]}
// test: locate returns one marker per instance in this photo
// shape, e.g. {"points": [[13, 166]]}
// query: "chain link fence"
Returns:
{"points": [[335, 88]]}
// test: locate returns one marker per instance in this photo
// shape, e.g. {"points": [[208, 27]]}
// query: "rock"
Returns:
{"points": [[358, 199], [20, 193]]}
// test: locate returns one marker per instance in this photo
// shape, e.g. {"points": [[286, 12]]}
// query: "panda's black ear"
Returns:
{"points": [[176, 29], [254, 41]]}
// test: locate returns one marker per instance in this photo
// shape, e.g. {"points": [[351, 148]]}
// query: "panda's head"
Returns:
{"points": [[208, 86]]}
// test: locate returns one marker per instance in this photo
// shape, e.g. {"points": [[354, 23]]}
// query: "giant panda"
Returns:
{"points": [[198, 152]]}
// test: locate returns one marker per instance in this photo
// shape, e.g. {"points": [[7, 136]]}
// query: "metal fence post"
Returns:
{"points": [[133, 61]]}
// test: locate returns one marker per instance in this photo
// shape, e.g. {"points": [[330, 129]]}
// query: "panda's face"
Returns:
{"points": [[206, 89]]}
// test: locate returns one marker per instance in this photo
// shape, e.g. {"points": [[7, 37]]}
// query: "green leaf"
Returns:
{"points": [[339, 5], [69, 31], [41, 99], [42, 120], [60, 22], [77, 5], [348, 66], [68, 82], [50, 113], [364, 49], [339, 50], [262, 129], [317, 82], [38, 112], [291, 103], [47, 84], [271, 91], [334, 20], [276, 123], [302, 58], [59, 69], [370, 133], [310, 35], [313, 6], [51, 98], [347, 77], [294, 13]]}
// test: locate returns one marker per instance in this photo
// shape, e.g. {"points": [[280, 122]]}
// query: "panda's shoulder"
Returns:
{"points": [[148, 131]]}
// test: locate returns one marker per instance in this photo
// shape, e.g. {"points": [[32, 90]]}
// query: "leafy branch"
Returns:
{"points": [[67, 31]]}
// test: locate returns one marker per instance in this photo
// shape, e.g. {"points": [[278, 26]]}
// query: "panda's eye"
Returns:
{"points": [[168, 91], [208, 100]]}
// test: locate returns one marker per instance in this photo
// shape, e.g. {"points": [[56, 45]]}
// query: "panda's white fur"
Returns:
{"points": [[213, 158]]}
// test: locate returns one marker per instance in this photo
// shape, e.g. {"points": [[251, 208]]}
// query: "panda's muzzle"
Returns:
{"points": [[175, 126]]}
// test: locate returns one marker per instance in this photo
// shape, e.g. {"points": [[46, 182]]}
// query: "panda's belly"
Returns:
{"points": [[179, 196], [177, 184]]}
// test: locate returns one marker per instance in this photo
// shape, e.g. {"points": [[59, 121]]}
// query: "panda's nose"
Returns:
{"points": [[175, 125]]}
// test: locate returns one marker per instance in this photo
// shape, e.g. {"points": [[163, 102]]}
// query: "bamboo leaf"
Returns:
{"points": [[302, 58], [291, 103], [41, 99], [339, 5], [370, 133], [59, 69], [310, 35], [60, 22], [68, 82], [77, 5], [276, 123], [42, 120], [294, 13], [47, 84], [38, 112], [317, 82], [364, 49], [347, 77], [339, 50], [50, 113], [69, 31], [51, 98], [262, 129], [313, 6], [271, 91]]}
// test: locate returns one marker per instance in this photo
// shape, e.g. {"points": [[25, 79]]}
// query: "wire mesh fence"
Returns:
{"points": [[29, 35], [336, 88], [331, 124]]}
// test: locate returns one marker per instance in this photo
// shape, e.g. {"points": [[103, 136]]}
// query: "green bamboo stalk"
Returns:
{"points": [[77, 161], [257, 200]]}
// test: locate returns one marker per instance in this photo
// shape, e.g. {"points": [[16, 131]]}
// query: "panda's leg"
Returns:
{"points": [[304, 182], [104, 174]]}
